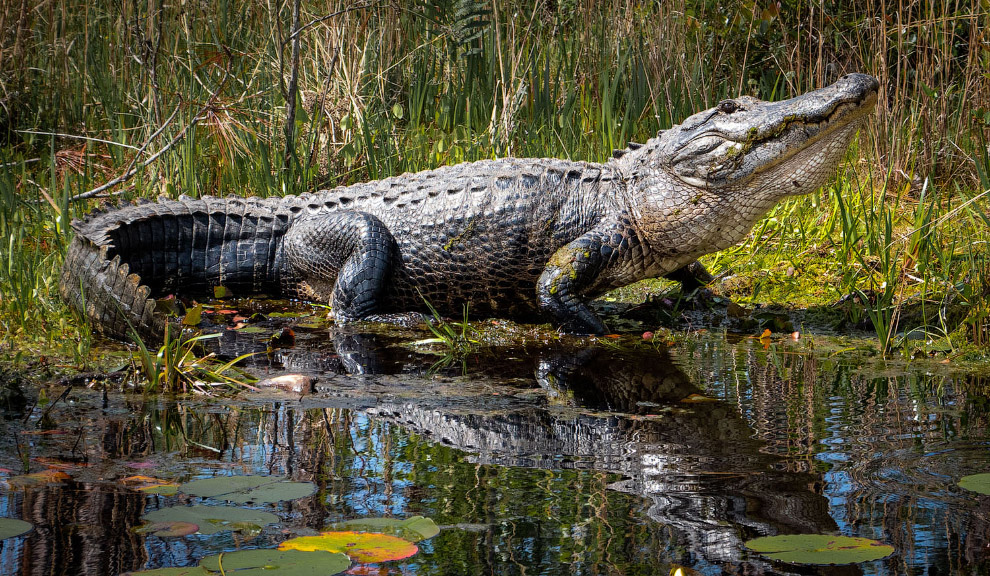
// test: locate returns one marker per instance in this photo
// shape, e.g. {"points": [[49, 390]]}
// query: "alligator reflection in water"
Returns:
{"points": [[621, 411]]}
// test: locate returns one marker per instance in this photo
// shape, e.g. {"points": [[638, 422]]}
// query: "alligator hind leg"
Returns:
{"points": [[692, 276], [344, 258]]}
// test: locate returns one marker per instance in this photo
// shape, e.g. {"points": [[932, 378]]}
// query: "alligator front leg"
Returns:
{"points": [[344, 258], [566, 278]]}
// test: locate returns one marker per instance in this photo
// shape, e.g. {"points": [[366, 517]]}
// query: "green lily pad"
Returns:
{"points": [[186, 571], [360, 546], [819, 549], [281, 562], [213, 519], [10, 527], [412, 529], [249, 489], [979, 483], [169, 529]]}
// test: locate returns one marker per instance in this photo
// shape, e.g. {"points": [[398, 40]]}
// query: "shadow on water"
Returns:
{"points": [[557, 459]]}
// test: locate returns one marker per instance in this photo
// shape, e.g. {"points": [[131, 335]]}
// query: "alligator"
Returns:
{"points": [[510, 237]]}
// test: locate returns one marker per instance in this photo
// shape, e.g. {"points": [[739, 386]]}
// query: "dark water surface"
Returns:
{"points": [[591, 458]]}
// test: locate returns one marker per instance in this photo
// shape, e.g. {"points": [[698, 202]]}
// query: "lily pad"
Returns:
{"points": [[151, 485], [819, 549], [213, 519], [281, 562], [10, 527], [249, 489], [185, 571], [412, 529], [979, 483], [360, 546], [169, 529], [37, 478]]}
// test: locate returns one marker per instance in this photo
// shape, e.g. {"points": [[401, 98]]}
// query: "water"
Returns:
{"points": [[576, 458]]}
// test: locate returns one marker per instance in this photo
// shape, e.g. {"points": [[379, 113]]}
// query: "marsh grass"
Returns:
{"points": [[177, 367], [191, 99]]}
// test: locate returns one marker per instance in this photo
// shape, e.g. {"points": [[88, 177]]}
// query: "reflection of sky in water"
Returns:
{"points": [[885, 454]]}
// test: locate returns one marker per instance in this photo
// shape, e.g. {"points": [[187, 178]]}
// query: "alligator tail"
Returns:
{"points": [[120, 262]]}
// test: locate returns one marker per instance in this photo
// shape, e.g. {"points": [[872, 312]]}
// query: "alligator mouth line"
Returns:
{"points": [[840, 117]]}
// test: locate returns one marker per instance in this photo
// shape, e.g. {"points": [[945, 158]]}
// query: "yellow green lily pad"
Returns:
{"points": [[979, 483], [11, 527], [360, 546], [819, 549], [413, 529], [213, 519], [249, 489], [280, 562]]}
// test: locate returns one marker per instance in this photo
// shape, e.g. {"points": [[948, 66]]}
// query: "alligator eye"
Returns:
{"points": [[727, 106]]}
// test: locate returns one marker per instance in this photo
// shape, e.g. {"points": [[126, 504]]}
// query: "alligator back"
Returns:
{"points": [[477, 232]]}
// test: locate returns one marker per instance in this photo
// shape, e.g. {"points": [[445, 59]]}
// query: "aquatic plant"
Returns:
{"points": [[176, 367]]}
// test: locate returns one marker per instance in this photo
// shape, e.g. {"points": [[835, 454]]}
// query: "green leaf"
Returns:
{"points": [[361, 547], [185, 571], [193, 317], [221, 292], [10, 527], [213, 519], [245, 489], [819, 549], [979, 483], [280, 562], [413, 529], [397, 111], [169, 529]]}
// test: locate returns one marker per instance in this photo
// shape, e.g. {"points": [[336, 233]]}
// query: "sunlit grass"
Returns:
{"points": [[95, 91]]}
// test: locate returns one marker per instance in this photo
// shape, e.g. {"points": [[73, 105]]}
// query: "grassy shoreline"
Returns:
{"points": [[191, 98]]}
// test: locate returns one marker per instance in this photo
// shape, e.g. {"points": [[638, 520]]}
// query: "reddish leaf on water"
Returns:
{"points": [[141, 465], [360, 546], [151, 485], [57, 464], [37, 479]]}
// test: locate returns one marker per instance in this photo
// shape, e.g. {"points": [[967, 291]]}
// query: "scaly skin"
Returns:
{"points": [[512, 237]]}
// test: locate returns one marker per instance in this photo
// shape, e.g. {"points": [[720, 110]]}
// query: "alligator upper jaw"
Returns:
{"points": [[799, 134], [727, 145]]}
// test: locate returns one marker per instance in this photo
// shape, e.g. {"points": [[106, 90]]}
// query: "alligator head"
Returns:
{"points": [[722, 169]]}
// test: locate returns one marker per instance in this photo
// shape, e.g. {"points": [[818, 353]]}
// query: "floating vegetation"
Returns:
{"points": [[213, 519], [37, 478], [151, 485], [171, 529], [413, 529], [819, 549], [979, 483], [248, 489], [11, 527], [281, 562], [363, 547]]}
